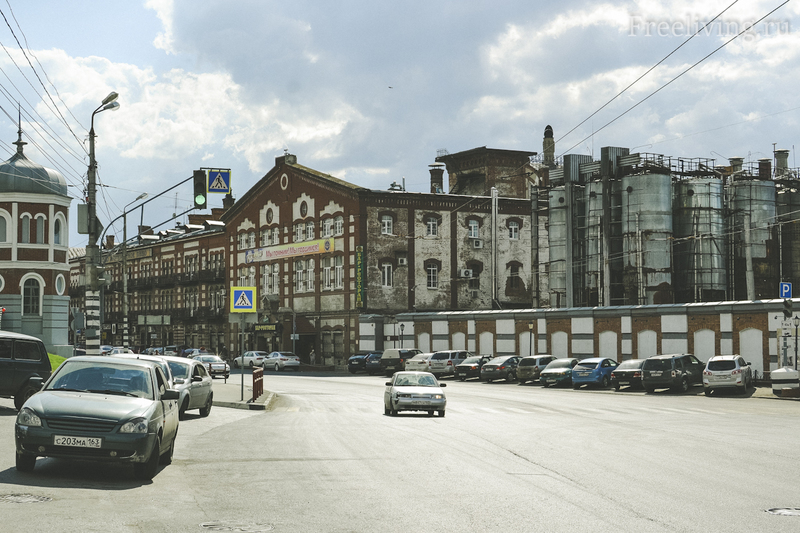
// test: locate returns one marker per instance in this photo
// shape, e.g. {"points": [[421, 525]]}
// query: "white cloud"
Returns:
{"points": [[165, 10]]}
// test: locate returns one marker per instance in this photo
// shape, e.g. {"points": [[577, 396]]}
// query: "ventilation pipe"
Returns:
{"points": [[437, 178], [781, 162]]}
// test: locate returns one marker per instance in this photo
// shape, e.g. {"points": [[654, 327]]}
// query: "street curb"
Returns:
{"points": [[260, 404]]}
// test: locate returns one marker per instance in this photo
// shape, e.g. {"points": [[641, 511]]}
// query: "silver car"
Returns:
{"points": [[727, 371], [192, 380], [281, 361], [414, 391]]}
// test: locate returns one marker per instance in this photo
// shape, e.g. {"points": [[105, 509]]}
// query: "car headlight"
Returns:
{"points": [[437, 396], [137, 425], [402, 395], [27, 417]]}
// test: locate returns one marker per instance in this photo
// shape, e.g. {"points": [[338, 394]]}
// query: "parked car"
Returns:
{"points": [[250, 359], [24, 366], [357, 363], [105, 349], [593, 371], [443, 363], [373, 363], [116, 350], [414, 391], [726, 372], [628, 374], [531, 366], [192, 381], [192, 352], [102, 409], [674, 371], [419, 363], [394, 359], [471, 367], [281, 361], [171, 350], [215, 365], [558, 372], [503, 367]]}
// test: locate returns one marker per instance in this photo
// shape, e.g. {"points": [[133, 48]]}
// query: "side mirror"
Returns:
{"points": [[749, 363], [36, 382], [171, 394], [443, 385], [179, 381], [388, 383], [197, 378]]}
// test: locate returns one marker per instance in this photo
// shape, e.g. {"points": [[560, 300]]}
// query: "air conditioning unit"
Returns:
{"points": [[402, 261], [466, 273], [477, 243]]}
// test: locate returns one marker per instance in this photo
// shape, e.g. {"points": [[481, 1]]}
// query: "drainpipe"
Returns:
{"points": [[494, 247]]}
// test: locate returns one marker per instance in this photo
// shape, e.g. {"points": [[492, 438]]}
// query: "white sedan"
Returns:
{"points": [[414, 391], [249, 359]]}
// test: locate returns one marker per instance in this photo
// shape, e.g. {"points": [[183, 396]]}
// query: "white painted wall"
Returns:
{"points": [[647, 342], [608, 345], [705, 344], [558, 342]]}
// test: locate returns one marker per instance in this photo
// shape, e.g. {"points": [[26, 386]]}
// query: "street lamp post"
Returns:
{"points": [[125, 340], [796, 321], [402, 327], [92, 249], [530, 337]]}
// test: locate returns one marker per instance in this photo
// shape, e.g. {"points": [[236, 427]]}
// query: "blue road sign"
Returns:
{"points": [[243, 300], [219, 181], [785, 289]]}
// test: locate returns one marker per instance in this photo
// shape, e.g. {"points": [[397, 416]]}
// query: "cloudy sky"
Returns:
{"points": [[368, 91]]}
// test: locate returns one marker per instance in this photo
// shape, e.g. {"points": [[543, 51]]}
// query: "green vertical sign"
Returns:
{"points": [[360, 281]]}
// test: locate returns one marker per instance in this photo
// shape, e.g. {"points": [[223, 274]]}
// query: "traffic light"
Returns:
{"points": [[200, 190], [787, 308]]}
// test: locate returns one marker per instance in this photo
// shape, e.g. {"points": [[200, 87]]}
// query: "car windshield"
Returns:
{"points": [[658, 364], [105, 378], [414, 380], [179, 370], [471, 360], [420, 357], [631, 364], [725, 364], [209, 359], [560, 363], [439, 356], [588, 364], [374, 357], [528, 362]]}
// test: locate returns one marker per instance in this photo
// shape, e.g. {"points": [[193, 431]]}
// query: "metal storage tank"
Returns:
{"points": [[699, 253], [647, 238], [557, 216], [788, 207], [753, 212], [594, 244]]}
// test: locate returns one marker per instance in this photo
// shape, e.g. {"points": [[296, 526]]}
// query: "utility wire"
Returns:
{"points": [[748, 28]]}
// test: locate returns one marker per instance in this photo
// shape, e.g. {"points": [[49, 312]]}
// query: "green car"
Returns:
{"points": [[558, 372]]}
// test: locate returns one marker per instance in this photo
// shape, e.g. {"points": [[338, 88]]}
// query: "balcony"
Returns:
{"points": [[187, 278], [212, 274], [211, 313], [167, 280]]}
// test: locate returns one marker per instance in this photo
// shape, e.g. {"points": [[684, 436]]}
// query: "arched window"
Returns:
{"points": [[30, 297], [432, 268], [339, 225], [386, 274], [3, 234], [26, 229], [40, 225], [57, 232]]}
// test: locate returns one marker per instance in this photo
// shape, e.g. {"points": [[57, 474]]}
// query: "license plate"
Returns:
{"points": [[79, 442], [550, 380], [655, 373], [623, 382], [419, 402]]}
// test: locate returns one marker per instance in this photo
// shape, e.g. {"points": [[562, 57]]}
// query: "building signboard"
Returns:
{"points": [[282, 251], [360, 281]]}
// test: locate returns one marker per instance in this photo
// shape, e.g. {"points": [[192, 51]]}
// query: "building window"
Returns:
{"points": [[57, 232], [299, 232], [513, 230], [474, 282], [276, 236], [339, 225], [264, 236], [3, 235], [276, 278], [263, 273], [26, 229], [241, 241], [309, 231], [474, 229], [327, 227], [299, 271], [386, 274], [310, 275], [30, 297], [303, 209], [339, 271], [432, 270], [514, 281], [40, 224], [431, 226], [387, 225], [327, 279]]}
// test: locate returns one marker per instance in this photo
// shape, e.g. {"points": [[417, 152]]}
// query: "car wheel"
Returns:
{"points": [[166, 457], [147, 471], [250, 364], [235, 363], [616, 387], [430, 413], [545, 385], [708, 392], [510, 377], [649, 390], [488, 380], [575, 386], [182, 410], [387, 411], [22, 396], [463, 378], [441, 413], [605, 382], [352, 371], [684, 385], [25, 462], [277, 367], [206, 409]]}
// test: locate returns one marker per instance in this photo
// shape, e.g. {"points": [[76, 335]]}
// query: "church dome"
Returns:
{"points": [[21, 175]]}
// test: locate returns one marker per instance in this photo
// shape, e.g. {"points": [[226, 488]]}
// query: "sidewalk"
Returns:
{"points": [[230, 394]]}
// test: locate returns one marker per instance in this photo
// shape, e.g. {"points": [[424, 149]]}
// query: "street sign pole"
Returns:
{"points": [[241, 343]]}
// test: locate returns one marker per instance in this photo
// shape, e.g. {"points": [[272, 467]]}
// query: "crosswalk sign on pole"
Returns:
{"points": [[219, 181], [243, 300]]}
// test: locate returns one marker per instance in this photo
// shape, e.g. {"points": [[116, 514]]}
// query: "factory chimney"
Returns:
{"points": [[781, 162], [437, 178], [549, 147]]}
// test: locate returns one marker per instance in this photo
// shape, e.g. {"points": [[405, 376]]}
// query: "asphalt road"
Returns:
{"points": [[507, 457]]}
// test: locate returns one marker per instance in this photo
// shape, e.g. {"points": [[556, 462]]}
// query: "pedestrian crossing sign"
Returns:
{"points": [[243, 300], [219, 181]]}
